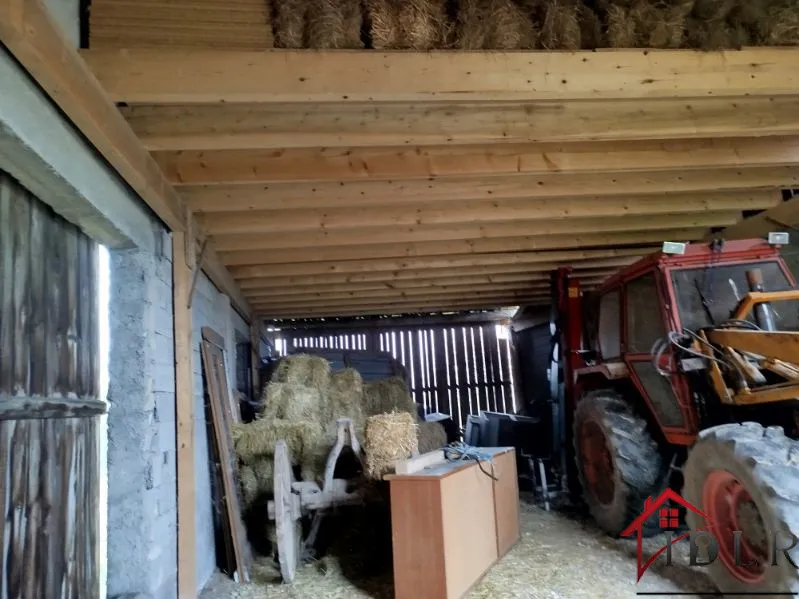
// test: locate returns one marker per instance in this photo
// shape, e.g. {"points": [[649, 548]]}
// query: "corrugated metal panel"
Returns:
{"points": [[48, 300]]}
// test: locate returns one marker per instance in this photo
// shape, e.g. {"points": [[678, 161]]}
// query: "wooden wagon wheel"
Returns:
{"points": [[287, 514]]}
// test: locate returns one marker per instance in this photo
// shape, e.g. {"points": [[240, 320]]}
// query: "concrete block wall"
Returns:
{"points": [[142, 484]]}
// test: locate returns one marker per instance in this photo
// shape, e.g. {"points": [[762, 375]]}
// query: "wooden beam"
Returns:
{"points": [[184, 401], [162, 76], [240, 240], [39, 45], [357, 124], [534, 260], [43, 50], [782, 217], [338, 194], [483, 212], [348, 164], [220, 276], [395, 280], [400, 308], [525, 243]]}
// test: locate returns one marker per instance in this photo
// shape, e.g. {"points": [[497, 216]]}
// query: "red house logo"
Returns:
{"points": [[668, 518]]}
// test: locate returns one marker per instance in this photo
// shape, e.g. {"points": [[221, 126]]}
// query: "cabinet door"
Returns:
{"points": [[506, 501]]}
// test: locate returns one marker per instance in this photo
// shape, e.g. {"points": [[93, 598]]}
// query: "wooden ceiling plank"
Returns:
{"points": [[533, 260], [470, 231], [342, 194], [503, 298], [389, 280], [177, 76], [481, 212], [355, 124], [349, 164], [525, 243], [783, 217]]}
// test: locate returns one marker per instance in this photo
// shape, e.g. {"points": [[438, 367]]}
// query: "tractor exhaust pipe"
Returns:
{"points": [[763, 315]]}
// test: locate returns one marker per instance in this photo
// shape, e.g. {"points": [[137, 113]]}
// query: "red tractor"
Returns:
{"points": [[682, 371]]}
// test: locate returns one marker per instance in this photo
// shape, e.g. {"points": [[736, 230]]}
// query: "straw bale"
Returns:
{"points": [[388, 438], [257, 439], [334, 24], [248, 484], [784, 26], [423, 24], [345, 400], [302, 369], [561, 27], [288, 21], [495, 25], [714, 10], [714, 35], [384, 24], [293, 402], [256, 480], [663, 26], [387, 395], [431, 436], [621, 28]]}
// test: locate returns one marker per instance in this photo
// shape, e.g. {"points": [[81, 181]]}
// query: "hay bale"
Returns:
{"points": [[783, 26], [302, 369], [334, 24], [663, 26], [714, 10], [621, 28], [345, 399], [495, 25], [287, 401], [256, 481], [387, 395], [714, 35], [256, 440], [288, 21], [424, 24], [384, 24], [431, 436], [561, 27], [388, 438]]}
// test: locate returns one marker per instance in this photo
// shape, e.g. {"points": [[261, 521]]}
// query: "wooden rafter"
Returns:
{"points": [[205, 76]]}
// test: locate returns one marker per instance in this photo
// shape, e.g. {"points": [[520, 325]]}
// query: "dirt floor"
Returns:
{"points": [[560, 556]]}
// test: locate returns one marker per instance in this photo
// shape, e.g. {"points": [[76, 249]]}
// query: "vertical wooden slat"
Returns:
{"points": [[480, 386], [501, 374], [463, 377], [67, 323], [33, 520], [20, 213], [6, 286], [38, 316], [490, 344], [184, 398], [452, 366], [417, 365]]}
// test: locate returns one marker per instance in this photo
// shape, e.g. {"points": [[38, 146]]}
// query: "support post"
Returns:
{"points": [[184, 399], [255, 355]]}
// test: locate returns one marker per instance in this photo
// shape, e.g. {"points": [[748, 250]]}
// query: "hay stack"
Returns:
{"points": [[288, 20], [783, 25], [256, 481], [288, 401], [388, 438], [334, 24], [408, 24], [431, 436], [592, 35], [256, 440], [646, 24], [495, 25], [387, 395], [345, 400], [306, 370], [560, 29]]}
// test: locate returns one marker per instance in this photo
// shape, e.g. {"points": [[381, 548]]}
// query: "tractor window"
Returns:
{"points": [[722, 287], [644, 318], [609, 325]]}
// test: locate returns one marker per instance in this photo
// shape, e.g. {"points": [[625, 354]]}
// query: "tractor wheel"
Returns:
{"points": [[745, 477], [618, 462]]}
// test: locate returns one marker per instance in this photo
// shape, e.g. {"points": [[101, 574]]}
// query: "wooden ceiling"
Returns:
{"points": [[362, 182], [344, 182]]}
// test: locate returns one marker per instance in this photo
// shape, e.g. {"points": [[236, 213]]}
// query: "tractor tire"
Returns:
{"points": [[746, 477], [618, 462]]}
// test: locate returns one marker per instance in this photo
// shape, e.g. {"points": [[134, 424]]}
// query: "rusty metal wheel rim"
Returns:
{"points": [[597, 465]]}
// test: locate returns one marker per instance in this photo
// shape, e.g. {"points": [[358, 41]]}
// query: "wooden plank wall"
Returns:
{"points": [[455, 369], [49, 437], [48, 300]]}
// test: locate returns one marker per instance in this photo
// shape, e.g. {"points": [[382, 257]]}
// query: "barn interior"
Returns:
{"points": [[227, 223]]}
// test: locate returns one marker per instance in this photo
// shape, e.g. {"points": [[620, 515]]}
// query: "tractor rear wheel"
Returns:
{"points": [[618, 462], [745, 477]]}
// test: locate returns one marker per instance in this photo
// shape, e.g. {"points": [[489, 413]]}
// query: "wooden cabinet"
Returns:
{"points": [[450, 523]]}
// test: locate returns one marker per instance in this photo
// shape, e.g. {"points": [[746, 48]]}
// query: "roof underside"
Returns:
{"points": [[338, 183]]}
